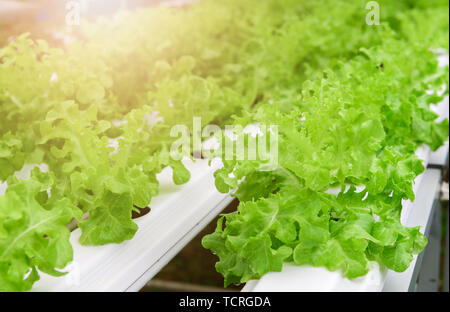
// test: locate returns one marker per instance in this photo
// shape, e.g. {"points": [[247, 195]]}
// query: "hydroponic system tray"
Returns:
{"points": [[116, 127], [176, 216], [181, 212]]}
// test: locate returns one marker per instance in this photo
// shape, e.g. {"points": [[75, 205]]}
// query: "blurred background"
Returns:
{"points": [[47, 18]]}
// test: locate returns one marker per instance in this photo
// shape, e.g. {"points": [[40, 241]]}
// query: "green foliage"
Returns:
{"points": [[99, 114], [33, 232], [314, 228]]}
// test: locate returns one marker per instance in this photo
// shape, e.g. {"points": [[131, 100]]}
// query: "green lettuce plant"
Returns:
{"points": [[98, 113]]}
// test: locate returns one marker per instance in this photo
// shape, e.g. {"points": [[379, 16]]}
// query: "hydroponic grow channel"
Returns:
{"points": [[177, 215], [180, 212]]}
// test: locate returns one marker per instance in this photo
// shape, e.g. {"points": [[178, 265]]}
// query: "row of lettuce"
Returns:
{"points": [[351, 102]]}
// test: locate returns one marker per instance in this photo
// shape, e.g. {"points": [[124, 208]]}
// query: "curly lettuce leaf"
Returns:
{"points": [[33, 232]]}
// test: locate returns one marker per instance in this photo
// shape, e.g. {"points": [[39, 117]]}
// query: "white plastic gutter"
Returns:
{"points": [[177, 215]]}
